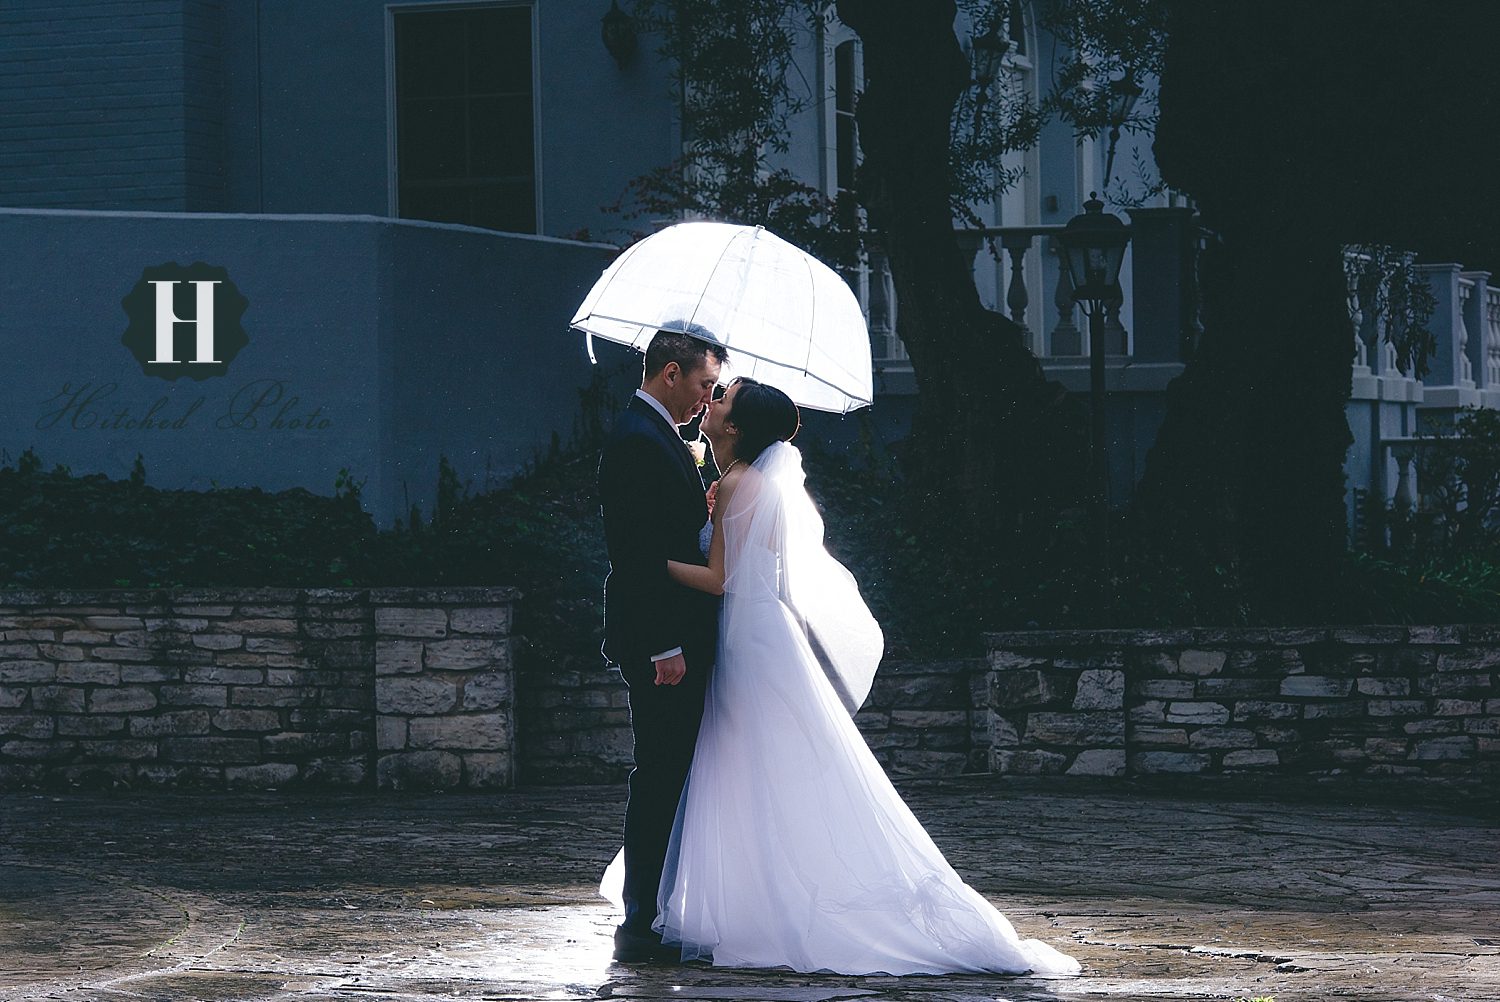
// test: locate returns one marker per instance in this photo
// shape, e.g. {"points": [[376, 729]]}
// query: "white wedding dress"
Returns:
{"points": [[791, 847]]}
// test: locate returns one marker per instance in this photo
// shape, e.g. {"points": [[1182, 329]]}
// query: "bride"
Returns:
{"points": [[791, 847]]}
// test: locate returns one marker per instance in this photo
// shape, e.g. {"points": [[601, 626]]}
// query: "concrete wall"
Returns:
{"points": [[403, 340]]}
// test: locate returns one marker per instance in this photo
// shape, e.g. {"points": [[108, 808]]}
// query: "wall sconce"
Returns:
{"points": [[618, 31]]}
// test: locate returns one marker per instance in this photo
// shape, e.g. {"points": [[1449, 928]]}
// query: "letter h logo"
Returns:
{"points": [[167, 320]]}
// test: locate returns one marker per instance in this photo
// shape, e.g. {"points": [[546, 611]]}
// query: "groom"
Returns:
{"points": [[660, 633]]}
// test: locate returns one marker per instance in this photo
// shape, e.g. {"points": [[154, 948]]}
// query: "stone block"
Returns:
{"points": [[1222, 737], [1154, 762], [1461, 685], [345, 771], [1164, 688], [271, 645], [1472, 659], [466, 654], [113, 623], [125, 699], [61, 652], [1100, 689], [415, 696], [1260, 709], [1158, 737], [1251, 758], [125, 748], [394, 621], [1152, 711], [419, 770], [1200, 663], [1458, 707], [1396, 707], [182, 624], [492, 691], [398, 657], [1002, 660], [275, 626], [265, 776], [1375, 686], [1197, 713], [390, 733], [1444, 725], [924, 762], [883, 740], [26, 725], [218, 641], [1369, 635], [188, 776], [149, 673], [10, 699], [90, 726], [266, 696], [1001, 732], [348, 699], [170, 724], [299, 744], [1441, 749], [335, 630], [344, 655], [1316, 686], [217, 675], [473, 732], [8, 650], [1098, 762], [1385, 748], [211, 750], [488, 771], [922, 720], [39, 751], [1090, 727], [57, 699], [1027, 763], [1028, 687], [1226, 689], [89, 673], [27, 671], [247, 720], [203, 609], [494, 621], [195, 695], [1434, 634], [1482, 725], [1336, 709]]}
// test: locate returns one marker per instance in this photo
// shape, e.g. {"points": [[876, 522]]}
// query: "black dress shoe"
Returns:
{"points": [[639, 948]]}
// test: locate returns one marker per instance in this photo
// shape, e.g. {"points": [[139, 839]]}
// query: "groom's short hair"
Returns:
{"points": [[684, 349]]}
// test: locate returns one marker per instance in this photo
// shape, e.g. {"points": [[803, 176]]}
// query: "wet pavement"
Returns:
{"points": [[340, 897]]}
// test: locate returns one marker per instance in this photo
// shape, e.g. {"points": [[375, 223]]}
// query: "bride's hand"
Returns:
{"points": [[711, 497]]}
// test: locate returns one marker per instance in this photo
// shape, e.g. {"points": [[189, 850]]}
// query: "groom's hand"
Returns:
{"points": [[669, 671]]}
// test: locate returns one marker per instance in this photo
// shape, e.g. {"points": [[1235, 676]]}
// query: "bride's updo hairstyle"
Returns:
{"points": [[763, 414]]}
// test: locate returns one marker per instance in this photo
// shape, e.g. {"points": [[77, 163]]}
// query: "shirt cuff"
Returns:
{"points": [[669, 654]]}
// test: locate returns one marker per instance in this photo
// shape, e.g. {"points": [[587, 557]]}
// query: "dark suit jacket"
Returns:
{"points": [[653, 506]]}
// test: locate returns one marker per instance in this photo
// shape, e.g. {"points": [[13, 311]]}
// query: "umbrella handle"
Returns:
{"points": [[588, 340]]}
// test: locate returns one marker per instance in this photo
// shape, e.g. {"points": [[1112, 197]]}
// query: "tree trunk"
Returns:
{"points": [[993, 441]]}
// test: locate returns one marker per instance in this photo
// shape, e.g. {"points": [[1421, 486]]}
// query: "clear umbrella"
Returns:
{"points": [[786, 318]]}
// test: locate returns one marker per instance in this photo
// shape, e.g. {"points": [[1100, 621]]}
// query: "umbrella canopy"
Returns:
{"points": [[786, 318]]}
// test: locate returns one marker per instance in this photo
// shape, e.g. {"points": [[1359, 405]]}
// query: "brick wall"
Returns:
{"points": [[114, 104]]}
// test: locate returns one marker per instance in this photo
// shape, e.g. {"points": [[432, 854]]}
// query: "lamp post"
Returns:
{"points": [[1123, 94], [1094, 245]]}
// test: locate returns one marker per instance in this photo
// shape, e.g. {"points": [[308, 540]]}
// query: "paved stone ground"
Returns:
{"points": [[340, 897]]}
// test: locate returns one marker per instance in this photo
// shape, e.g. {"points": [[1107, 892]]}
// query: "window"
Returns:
{"points": [[844, 86], [465, 129]]}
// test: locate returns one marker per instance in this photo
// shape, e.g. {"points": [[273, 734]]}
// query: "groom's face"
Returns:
{"points": [[688, 393]]}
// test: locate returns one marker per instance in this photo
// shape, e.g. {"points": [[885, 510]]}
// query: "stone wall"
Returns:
{"points": [[920, 719], [1373, 703], [264, 687]]}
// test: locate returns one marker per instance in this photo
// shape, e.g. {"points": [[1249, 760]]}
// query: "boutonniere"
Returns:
{"points": [[699, 451]]}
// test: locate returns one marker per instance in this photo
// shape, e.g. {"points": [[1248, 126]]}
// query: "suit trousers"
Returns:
{"points": [[664, 720]]}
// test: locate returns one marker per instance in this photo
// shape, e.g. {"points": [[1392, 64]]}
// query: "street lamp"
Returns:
{"points": [[1123, 94], [1093, 246]]}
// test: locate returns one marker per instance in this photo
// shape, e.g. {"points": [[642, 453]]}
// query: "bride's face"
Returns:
{"points": [[718, 413]]}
